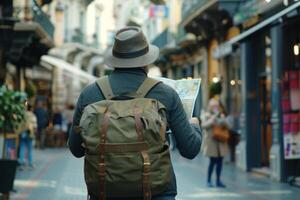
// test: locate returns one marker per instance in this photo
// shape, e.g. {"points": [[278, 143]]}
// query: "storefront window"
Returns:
{"points": [[290, 95], [234, 88], [187, 71], [174, 70], [198, 69]]}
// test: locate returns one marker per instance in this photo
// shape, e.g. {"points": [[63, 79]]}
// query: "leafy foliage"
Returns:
{"points": [[215, 89], [12, 108], [30, 89]]}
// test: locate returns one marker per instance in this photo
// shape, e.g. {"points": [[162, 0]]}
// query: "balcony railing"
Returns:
{"points": [[190, 6], [43, 19]]}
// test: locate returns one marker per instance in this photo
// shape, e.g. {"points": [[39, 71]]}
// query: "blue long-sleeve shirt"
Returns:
{"points": [[187, 136], [42, 118]]}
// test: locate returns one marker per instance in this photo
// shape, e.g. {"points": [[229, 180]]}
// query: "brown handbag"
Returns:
{"points": [[220, 133]]}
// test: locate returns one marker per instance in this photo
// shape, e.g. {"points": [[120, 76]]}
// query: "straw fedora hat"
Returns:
{"points": [[131, 50]]}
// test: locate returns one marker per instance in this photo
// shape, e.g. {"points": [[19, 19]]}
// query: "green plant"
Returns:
{"points": [[30, 89], [215, 89], [12, 110]]}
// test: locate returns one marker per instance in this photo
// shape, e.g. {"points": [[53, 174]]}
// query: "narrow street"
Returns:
{"points": [[230, 66], [59, 176]]}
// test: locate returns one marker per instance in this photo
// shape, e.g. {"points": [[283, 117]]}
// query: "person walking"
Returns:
{"points": [[212, 148], [57, 120], [26, 138], [130, 56], [42, 123], [69, 112]]}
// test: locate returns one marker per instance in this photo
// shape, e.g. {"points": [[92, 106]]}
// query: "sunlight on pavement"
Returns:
{"points": [[74, 191], [19, 196], [212, 193], [271, 192], [35, 184], [217, 193]]}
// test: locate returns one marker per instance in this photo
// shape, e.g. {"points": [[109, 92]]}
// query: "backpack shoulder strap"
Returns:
{"points": [[146, 86], [105, 87]]}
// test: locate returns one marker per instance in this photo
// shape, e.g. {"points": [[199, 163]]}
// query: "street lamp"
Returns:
{"points": [[232, 82], [215, 79], [296, 49]]}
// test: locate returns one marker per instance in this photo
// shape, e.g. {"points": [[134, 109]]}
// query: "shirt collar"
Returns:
{"points": [[137, 71]]}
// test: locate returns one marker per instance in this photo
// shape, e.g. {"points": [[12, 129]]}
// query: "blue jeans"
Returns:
{"points": [[218, 162], [25, 143]]}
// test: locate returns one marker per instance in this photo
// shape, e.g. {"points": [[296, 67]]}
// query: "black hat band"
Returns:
{"points": [[131, 54]]}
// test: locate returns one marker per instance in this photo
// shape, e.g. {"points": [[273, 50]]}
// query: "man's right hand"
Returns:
{"points": [[194, 120]]}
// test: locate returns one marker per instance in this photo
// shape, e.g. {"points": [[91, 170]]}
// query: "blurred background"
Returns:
{"points": [[52, 49]]}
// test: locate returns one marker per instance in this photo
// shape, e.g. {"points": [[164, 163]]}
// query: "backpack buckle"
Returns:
{"points": [[146, 168], [101, 169]]}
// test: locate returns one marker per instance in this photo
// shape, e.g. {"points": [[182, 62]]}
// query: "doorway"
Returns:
{"points": [[265, 120]]}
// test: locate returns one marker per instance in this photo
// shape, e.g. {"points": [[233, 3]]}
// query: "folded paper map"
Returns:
{"points": [[187, 90]]}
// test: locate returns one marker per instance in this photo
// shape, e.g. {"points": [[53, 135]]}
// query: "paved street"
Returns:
{"points": [[59, 176]]}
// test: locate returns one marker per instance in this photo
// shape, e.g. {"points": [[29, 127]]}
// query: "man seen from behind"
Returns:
{"points": [[120, 123]]}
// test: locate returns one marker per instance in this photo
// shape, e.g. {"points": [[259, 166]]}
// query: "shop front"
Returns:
{"points": [[269, 82], [290, 96], [209, 22]]}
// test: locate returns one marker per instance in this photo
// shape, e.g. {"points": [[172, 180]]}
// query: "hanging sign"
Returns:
{"points": [[292, 146], [158, 11]]}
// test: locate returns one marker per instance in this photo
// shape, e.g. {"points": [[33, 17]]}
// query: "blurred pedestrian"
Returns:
{"points": [[233, 125], [212, 148], [57, 119], [130, 57], [26, 137], [69, 112], [42, 123]]}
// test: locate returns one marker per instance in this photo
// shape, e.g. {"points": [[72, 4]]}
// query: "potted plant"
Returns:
{"points": [[12, 114]]}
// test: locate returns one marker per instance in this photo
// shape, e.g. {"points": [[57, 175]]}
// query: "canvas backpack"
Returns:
{"points": [[126, 150]]}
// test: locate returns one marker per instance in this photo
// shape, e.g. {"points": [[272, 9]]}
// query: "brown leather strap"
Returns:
{"points": [[125, 147], [138, 123], [146, 176], [163, 131], [103, 134], [105, 87], [145, 155]]}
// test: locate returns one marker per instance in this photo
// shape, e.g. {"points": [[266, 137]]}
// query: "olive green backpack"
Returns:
{"points": [[126, 150]]}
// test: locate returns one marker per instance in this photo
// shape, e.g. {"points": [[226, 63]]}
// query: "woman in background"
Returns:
{"points": [[26, 138], [215, 150]]}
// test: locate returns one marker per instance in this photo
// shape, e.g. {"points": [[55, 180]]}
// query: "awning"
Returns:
{"points": [[252, 8], [35, 27], [71, 69], [207, 19], [162, 39], [65, 50], [158, 2], [64, 53], [94, 63], [196, 10], [87, 2], [223, 49]]}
